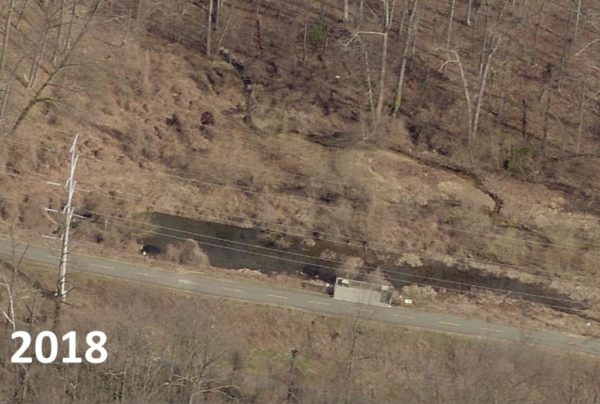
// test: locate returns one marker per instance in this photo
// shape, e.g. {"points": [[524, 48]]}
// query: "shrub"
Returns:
{"points": [[518, 161], [186, 252], [316, 34]]}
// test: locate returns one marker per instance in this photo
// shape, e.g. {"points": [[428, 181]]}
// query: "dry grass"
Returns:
{"points": [[305, 141], [154, 333]]}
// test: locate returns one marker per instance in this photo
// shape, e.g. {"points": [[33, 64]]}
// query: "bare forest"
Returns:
{"points": [[449, 148]]}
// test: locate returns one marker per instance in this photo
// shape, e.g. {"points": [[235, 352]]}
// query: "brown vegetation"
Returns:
{"points": [[170, 347], [466, 131]]}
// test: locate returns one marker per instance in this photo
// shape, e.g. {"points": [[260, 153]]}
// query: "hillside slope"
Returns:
{"points": [[288, 124]]}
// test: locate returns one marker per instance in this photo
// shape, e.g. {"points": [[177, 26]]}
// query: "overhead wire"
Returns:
{"points": [[365, 214], [368, 243], [270, 249], [342, 240], [338, 270]]}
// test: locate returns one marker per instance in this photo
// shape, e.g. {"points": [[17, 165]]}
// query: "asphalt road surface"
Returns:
{"points": [[309, 301]]}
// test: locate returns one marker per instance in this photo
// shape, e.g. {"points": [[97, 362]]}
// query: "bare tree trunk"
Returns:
{"points": [[7, 88], [494, 47], [361, 8], [21, 13], [218, 13], [382, 77], [59, 31], [209, 28], [70, 27], [128, 26], [577, 19], [524, 120], [410, 32], [7, 26], [258, 30], [304, 48], [546, 126], [64, 63], [484, 39], [369, 83], [415, 36], [388, 10], [465, 84], [469, 10], [345, 10], [581, 118], [226, 26], [38, 60], [450, 23], [467, 96]]}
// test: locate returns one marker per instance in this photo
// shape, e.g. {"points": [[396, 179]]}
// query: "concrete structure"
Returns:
{"points": [[362, 292]]}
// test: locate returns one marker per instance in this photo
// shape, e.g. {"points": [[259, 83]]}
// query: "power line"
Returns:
{"points": [[370, 244], [283, 195], [459, 291], [385, 249], [298, 255], [370, 275], [369, 216]]}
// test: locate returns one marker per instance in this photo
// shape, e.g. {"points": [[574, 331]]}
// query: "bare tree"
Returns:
{"points": [[64, 62], [409, 38], [580, 126], [345, 10], [474, 107], [450, 23], [469, 11], [388, 10], [7, 88], [386, 21], [21, 372], [59, 25], [577, 20], [209, 28], [7, 26]]}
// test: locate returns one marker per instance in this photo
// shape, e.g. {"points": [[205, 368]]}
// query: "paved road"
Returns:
{"points": [[310, 301]]}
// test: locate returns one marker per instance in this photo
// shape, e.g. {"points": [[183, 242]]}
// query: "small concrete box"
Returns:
{"points": [[362, 292]]}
